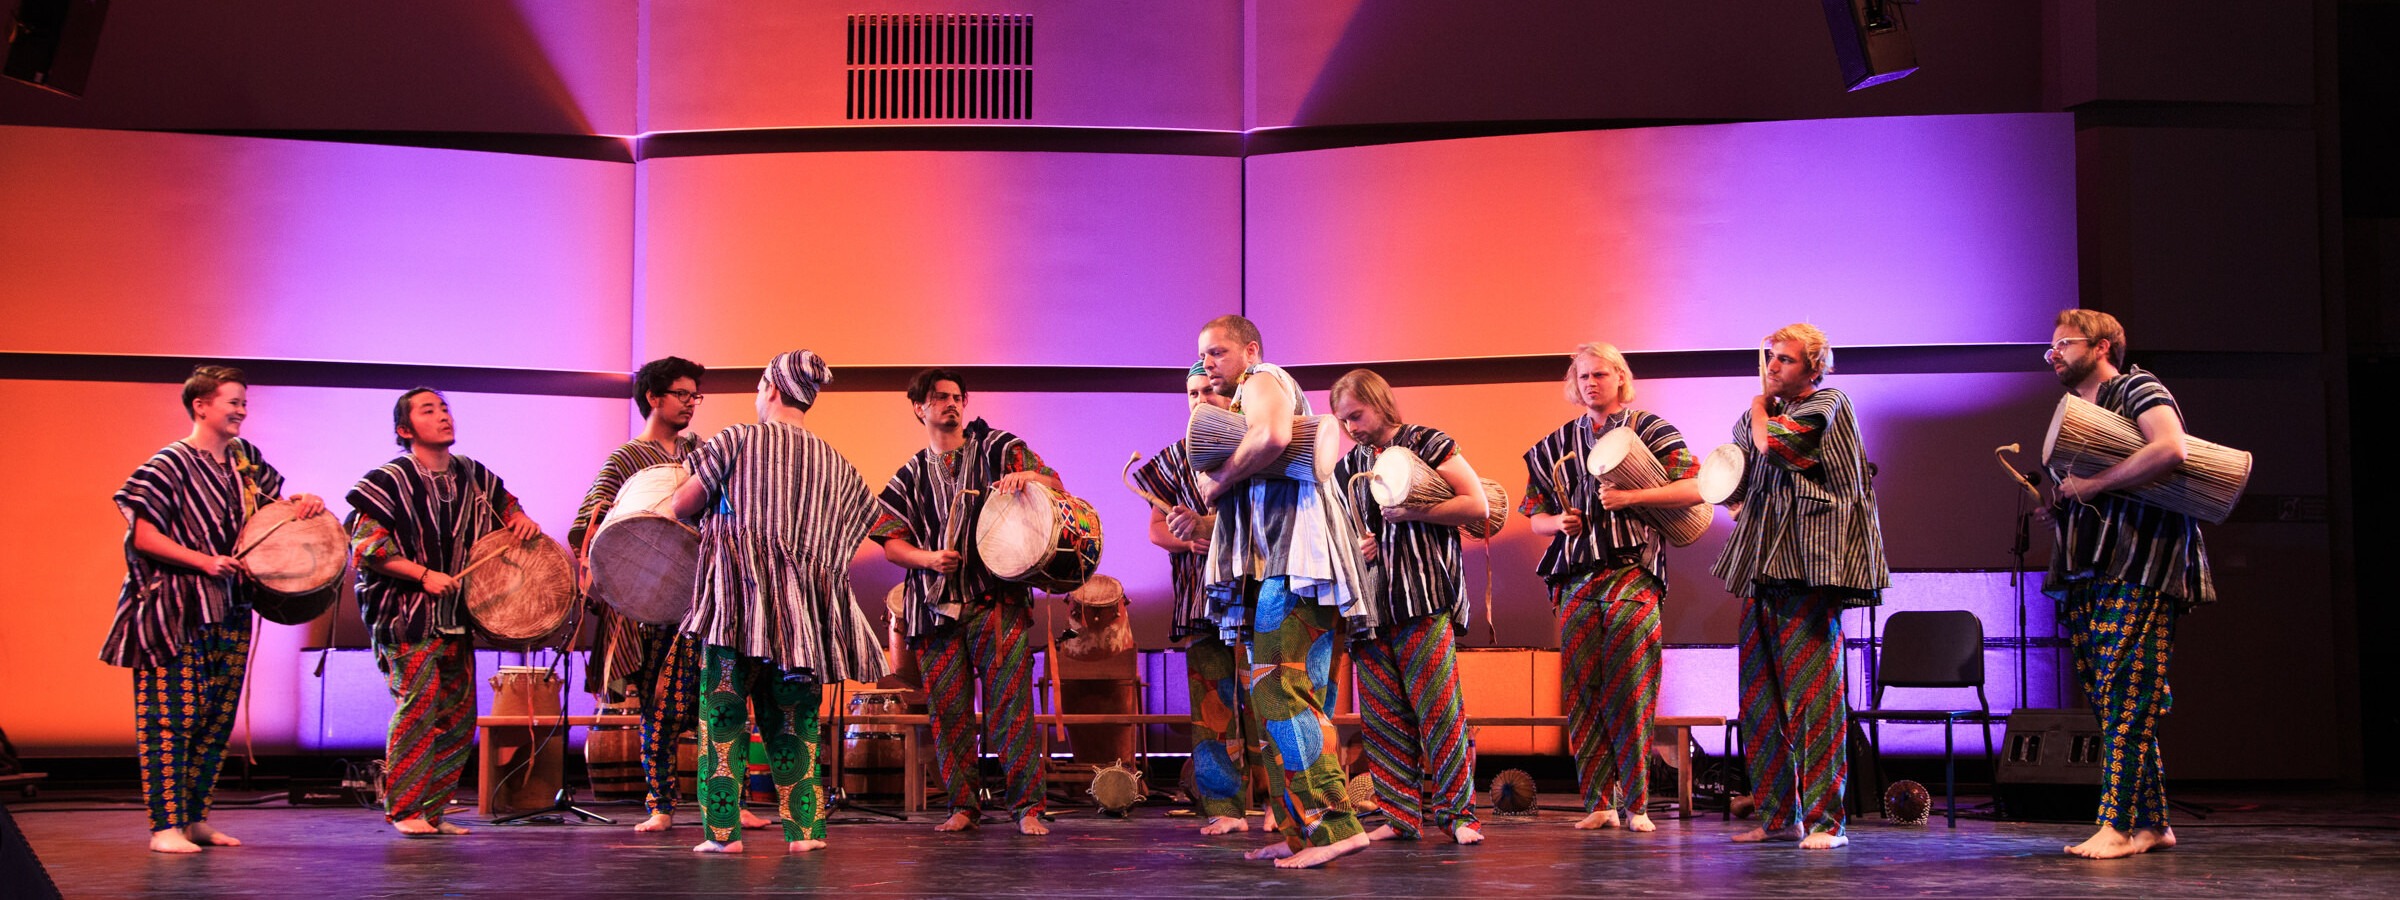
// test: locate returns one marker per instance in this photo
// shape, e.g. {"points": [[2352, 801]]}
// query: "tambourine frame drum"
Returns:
{"points": [[1041, 537]]}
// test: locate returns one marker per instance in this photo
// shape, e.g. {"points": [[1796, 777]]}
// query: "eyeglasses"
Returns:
{"points": [[2059, 347], [688, 396]]}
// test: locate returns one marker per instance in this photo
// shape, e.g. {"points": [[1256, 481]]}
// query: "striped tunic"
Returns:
{"points": [[1611, 538], [774, 582], [1275, 527], [1417, 567], [916, 507], [1808, 512], [432, 519], [2117, 538], [621, 639], [1168, 476], [200, 503]]}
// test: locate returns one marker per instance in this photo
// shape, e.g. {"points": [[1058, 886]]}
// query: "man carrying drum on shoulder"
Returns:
{"points": [[2123, 571], [415, 520], [1607, 572], [959, 619], [1416, 726], [772, 610], [183, 615]]}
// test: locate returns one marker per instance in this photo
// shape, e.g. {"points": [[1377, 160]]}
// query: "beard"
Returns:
{"points": [[2077, 371]]}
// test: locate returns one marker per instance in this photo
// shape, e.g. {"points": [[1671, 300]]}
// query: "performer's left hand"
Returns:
{"points": [[523, 527], [309, 505], [1404, 513], [1367, 548], [1617, 498], [2075, 487], [1012, 482]]}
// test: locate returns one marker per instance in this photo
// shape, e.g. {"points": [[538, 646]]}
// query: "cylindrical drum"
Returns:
{"points": [[645, 563], [1048, 539], [1620, 460], [612, 756], [872, 758]]}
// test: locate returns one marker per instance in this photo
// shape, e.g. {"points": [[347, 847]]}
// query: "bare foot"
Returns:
{"points": [[1032, 824], [1761, 835], [656, 822], [960, 821], [1317, 856], [717, 847], [415, 826], [1225, 825], [204, 833], [753, 820], [2109, 843], [1598, 819], [171, 840], [2166, 839], [1824, 840], [1639, 822], [447, 828], [805, 846], [1383, 833], [1277, 850], [1465, 834]]}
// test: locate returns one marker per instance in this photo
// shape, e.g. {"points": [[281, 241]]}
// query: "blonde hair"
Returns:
{"points": [[1609, 358], [2098, 326], [1813, 345], [1370, 390]]}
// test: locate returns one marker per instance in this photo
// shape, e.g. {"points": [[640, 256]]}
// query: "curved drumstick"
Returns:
{"points": [[2030, 490], [1558, 485], [1350, 490], [1155, 503]]}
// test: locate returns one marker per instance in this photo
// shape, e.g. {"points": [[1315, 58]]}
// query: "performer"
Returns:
{"points": [[416, 518], [1416, 727], [1607, 572], [1806, 545], [1283, 570], [183, 614], [2123, 571], [651, 662], [959, 619], [773, 611], [1222, 723]]}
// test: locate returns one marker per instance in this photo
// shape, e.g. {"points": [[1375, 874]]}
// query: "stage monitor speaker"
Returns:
{"points": [[21, 872], [1871, 39], [51, 43], [2050, 765]]}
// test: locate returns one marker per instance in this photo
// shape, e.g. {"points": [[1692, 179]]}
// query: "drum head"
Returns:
{"points": [[650, 490], [1721, 473], [290, 555], [1018, 532], [524, 595], [1327, 450], [1608, 452], [647, 567], [1395, 474]]}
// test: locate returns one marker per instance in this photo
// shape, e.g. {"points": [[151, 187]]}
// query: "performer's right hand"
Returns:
{"points": [[1367, 547], [1183, 523], [1571, 522], [222, 566], [436, 583], [943, 561]]}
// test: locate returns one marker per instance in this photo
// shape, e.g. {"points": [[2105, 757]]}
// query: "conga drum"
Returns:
{"points": [[645, 563], [612, 756], [872, 757], [1045, 538], [1620, 460], [1212, 434], [1723, 480], [519, 593], [297, 562], [2086, 439]]}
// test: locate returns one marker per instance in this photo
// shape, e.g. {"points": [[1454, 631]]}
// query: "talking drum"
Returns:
{"points": [[1402, 480], [1212, 434], [297, 561], [1722, 475], [1495, 516], [1621, 461], [645, 563], [1044, 538], [519, 593], [2086, 439]]}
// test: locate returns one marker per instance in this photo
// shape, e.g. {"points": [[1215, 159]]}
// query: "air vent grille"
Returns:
{"points": [[940, 66]]}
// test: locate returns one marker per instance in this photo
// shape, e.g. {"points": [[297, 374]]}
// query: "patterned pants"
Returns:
{"points": [[1416, 727], [182, 716], [995, 641], [1609, 647], [2123, 634], [732, 688], [1223, 725], [670, 680], [1292, 654], [434, 682], [1794, 716]]}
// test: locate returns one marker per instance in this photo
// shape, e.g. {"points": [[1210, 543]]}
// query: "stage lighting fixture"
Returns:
{"points": [[1870, 37]]}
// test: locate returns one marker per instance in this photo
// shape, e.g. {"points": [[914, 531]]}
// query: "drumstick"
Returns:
{"points": [[262, 539], [1155, 503], [488, 557], [1558, 486], [2030, 490]]}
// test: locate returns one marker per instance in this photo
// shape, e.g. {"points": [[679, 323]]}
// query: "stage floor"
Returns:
{"points": [[2300, 844]]}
